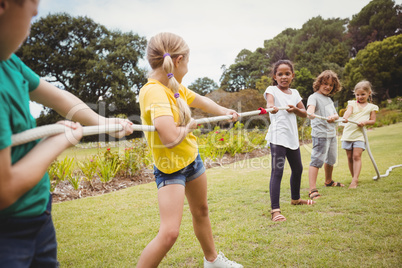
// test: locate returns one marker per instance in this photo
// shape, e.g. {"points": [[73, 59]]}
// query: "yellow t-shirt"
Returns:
{"points": [[157, 100], [352, 132]]}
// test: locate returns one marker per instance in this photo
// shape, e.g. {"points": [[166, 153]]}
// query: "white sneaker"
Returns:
{"points": [[221, 262]]}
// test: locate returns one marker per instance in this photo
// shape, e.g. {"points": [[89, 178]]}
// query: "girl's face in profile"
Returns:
{"points": [[182, 68]]}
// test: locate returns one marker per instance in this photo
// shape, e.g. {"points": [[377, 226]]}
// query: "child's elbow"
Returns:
{"points": [[170, 143], [6, 199]]}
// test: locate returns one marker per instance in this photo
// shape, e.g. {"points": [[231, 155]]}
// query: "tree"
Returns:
{"points": [[379, 19], [262, 83], [235, 78], [303, 82], [203, 86], [278, 47], [88, 60], [248, 67], [319, 42], [381, 64]]}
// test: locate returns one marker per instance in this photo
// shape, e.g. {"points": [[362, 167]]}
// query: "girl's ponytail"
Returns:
{"points": [[161, 51]]}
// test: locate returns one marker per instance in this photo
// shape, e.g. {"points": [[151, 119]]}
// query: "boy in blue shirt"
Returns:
{"points": [[27, 234]]}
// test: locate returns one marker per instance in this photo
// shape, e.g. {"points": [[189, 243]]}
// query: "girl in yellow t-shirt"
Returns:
{"points": [[178, 168], [363, 112]]}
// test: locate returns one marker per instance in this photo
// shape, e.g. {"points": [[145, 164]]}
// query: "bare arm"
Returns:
{"points": [[170, 134], [271, 103], [299, 109], [72, 108], [332, 118], [209, 106], [347, 114], [371, 121], [311, 110], [17, 179]]}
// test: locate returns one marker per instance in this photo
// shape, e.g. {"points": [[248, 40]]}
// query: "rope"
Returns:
{"points": [[367, 147], [50, 130]]}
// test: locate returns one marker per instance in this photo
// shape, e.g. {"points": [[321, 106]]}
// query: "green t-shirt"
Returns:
{"points": [[16, 81]]}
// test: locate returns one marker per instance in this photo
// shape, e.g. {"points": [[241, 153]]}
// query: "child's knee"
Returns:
{"points": [[357, 157], [169, 237], [200, 211]]}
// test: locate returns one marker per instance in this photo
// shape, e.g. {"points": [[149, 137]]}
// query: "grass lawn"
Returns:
{"points": [[346, 228]]}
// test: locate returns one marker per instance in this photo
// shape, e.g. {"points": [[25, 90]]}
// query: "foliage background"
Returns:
{"points": [[101, 66]]}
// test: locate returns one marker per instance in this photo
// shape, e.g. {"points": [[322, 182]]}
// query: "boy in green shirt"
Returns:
{"points": [[27, 235]]}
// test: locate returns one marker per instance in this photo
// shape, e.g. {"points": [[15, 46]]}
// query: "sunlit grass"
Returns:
{"points": [[346, 228]]}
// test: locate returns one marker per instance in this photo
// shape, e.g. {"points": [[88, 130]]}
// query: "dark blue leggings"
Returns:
{"points": [[278, 154]]}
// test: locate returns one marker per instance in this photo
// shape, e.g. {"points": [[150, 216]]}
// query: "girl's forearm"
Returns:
{"points": [[213, 108], [369, 122], [301, 112]]}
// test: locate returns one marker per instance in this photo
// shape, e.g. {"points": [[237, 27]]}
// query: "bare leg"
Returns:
{"points": [[328, 173], [312, 177], [349, 154], [357, 166], [171, 201], [196, 193]]}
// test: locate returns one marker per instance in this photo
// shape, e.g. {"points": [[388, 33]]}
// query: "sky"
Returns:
{"points": [[215, 30]]}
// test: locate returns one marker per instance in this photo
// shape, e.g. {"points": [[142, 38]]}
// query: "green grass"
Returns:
{"points": [[346, 228]]}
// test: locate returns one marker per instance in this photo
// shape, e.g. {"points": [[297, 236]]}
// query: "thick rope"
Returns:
{"points": [[367, 147], [50, 130]]}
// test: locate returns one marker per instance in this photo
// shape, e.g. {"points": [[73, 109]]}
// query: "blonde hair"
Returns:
{"points": [[366, 86], [161, 50], [325, 76]]}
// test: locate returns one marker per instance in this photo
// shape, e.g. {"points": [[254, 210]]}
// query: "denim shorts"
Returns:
{"points": [[324, 151], [349, 145], [28, 242], [189, 173]]}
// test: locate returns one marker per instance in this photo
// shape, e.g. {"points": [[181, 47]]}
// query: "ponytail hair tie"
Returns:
{"points": [[170, 75], [166, 54], [176, 95]]}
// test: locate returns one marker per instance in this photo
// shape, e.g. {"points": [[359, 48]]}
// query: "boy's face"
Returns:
{"points": [[15, 22], [326, 87]]}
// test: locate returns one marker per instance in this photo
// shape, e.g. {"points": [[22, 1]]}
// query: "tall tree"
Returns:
{"points": [[377, 20], [83, 57], [303, 82], [278, 47], [236, 77], [247, 69], [381, 64], [318, 45], [319, 42], [203, 86]]}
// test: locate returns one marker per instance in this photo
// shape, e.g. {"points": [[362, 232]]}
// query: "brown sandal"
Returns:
{"points": [[278, 217], [334, 184], [301, 202], [313, 194]]}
